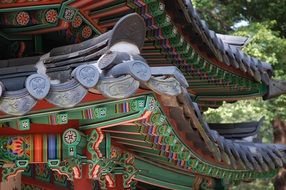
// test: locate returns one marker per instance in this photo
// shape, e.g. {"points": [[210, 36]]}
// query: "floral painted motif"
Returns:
{"points": [[70, 137], [69, 14], [17, 147], [23, 18], [86, 32], [51, 16], [77, 21]]}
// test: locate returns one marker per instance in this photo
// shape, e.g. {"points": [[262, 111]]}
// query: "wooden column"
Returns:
{"points": [[84, 183], [118, 183]]}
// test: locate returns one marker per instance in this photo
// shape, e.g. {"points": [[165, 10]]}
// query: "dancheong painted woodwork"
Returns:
{"points": [[110, 94]]}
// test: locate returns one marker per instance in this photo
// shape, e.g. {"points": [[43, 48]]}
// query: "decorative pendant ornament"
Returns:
{"points": [[70, 136]]}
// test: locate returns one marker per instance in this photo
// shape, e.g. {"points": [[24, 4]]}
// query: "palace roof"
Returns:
{"points": [[130, 94]]}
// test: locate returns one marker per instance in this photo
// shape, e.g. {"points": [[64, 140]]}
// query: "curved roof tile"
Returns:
{"points": [[223, 50]]}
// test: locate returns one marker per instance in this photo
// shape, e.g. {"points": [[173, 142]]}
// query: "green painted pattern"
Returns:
{"points": [[155, 8], [90, 116], [65, 5], [42, 172], [118, 162], [60, 180], [19, 166], [38, 13], [164, 177], [161, 129], [30, 187], [176, 151], [74, 143], [169, 148], [28, 171]]}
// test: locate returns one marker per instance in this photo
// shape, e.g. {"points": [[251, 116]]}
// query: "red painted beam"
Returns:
{"points": [[107, 25], [110, 12], [40, 129], [81, 3], [44, 105], [98, 4]]}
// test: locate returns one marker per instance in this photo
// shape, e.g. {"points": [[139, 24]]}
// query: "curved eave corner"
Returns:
{"points": [[233, 59]]}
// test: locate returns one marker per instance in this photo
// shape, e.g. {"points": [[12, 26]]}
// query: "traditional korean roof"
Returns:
{"points": [[237, 130], [234, 41], [213, 65], [143, 84]]}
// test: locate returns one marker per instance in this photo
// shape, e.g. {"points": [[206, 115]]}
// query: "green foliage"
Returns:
{"points": [[222, 14], [266, 45], [243, 111], [266, 28], [257, 185]]}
